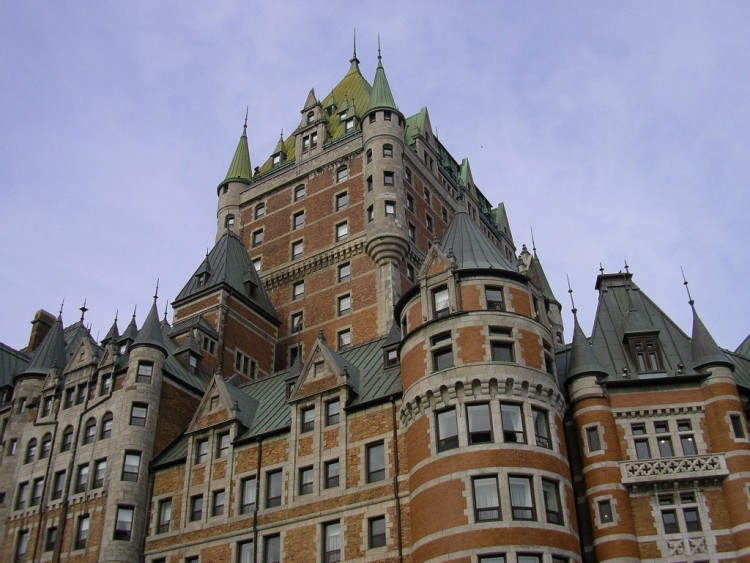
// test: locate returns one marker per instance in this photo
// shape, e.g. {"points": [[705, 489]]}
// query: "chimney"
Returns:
{"points": [[39, 328]]}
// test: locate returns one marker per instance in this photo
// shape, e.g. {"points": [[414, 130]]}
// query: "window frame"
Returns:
{"points": [[124, 534], [526, 512], [487, 513], [375, 462], [478, 435], [274, 484], [341, 201], [248, 486], [164, 516], [331, 480], [446, 441], [510, 407], [135, 418], [129, 475]]}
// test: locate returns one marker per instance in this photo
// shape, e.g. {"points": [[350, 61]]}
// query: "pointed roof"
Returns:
{"points": [[113, 333], [704, 348], [151, 332], [583, 360], [470, 247], [343, 370], [381, 96], [240, 169], [231, 269], [280, 148], [311, 101], [744, 348], [51, 352], [131, 331], [635, 321], [541, 278]]}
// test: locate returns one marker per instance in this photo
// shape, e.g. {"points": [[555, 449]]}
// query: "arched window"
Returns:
{"points": [[106, 427], [46, 444], [67, 439], [30, 451], [89, 432]]}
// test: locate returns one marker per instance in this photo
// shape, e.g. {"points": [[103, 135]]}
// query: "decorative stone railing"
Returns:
{"points": [[673, 469]]}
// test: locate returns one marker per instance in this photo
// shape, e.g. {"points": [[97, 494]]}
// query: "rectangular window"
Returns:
{"points": [[426, 193], [344, 304], [305, 480], [196, 508], [258, 237], [222, 445], [521, 498], [247, 490], [307, 417], [22, 495], [273, 488], [344, 338], [138, 412], [342, 231], [390, 208], [605, 511], [442, 358], [58, 482], [552, 505], [245, 552], [22, 545], [541, 428], [106, 384], [663, 439], [486, 499], [333, 409], [645, 354], [412, 232], [100, 468], [501, 351], [480, 423], [345, 272], [82, 478], [447, 430], [295, 323], [298, 248], [512, 419], [124, 523], [80, 394], [737, 428], [408, 174], [331, 469], [82, 532], [131, 466], [201, 450], [428, 222], [298, 220], [272, 549], [376, 532], [260, 210], [217, 506], [410, 202], [144, 373], [495, 300], [165, 516], [342, 173], [299, 192], [36, 491], [69, 396], [444, 214], [50, 539], [440, 302], [493, 558], [592, 438], [369, 183], [342, 201], [669, 519], [332, 542], [375, 455], [46, 406], [388, 178]]}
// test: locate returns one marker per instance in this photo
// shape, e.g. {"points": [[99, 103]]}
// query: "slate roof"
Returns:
{"points": [[12, 362], [270, 411], [50, 352], [470, 246], [744, 348], [229, 266], [151, 331]]}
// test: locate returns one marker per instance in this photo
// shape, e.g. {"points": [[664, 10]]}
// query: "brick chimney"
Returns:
{"points": [[39, 328]]}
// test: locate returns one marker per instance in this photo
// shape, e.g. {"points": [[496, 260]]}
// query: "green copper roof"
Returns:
{"points": [[240, 169], [414, 124], [704, 348], [583, 359], [381, 96]]}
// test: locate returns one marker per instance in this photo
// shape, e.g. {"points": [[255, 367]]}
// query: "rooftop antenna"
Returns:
{"points": [[691, 302], [83, 310]]}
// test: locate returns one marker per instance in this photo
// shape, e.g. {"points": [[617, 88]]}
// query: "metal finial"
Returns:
{"points": [[166, 305], [380, 56], [533, 244], [627, 268], [156, 293], [247, 110], [354, 54], [572, 303], [135, 308], [691, 302], [601, 269], [61, 307], [117, 312], [83, 310]]}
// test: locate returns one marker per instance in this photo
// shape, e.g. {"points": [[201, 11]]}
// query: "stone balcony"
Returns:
{"points": [[643, 471]]}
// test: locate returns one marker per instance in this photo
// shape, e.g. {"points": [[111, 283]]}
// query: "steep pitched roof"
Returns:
{"points": [[51, 352], [230, 268], [744, 348], [12, 363], [537, 273], [583, 359], [381, 96], [704, 348], [240, 169], [151, 331], [470, 247]]}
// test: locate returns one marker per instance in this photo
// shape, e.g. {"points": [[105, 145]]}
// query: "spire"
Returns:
{"points": [[240, 169], [113, 333], [354, 60], [280, 149], [131, 331], [381, 96], [151, 333], [583, 360], [50, 353], [702, 345]]}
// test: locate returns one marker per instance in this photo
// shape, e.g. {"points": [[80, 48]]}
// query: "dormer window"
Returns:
{"points": [[349, 124], [440, 302], [276, 159], [390, 358], [645, 353], [202, 278], [342, 116], [310, 117]]}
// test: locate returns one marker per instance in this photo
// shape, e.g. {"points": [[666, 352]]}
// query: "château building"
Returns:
{"points": [[365, 367]]}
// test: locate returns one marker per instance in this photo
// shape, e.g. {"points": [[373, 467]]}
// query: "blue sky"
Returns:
{"points": [[617, 130]]}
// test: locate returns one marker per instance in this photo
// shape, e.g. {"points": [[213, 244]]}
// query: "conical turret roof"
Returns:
{"points": [[583, 359], [240, 169], [131, 331], [381, 96], [113, 333], [151, 333], [51, 352], [470, 247], [704, 348]]}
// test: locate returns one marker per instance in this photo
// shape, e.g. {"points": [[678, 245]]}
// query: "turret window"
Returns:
{"points": [[486, 498], [447, 430], [131, 466], [442, 351], [368, 154], [370, 214], [522, 498], [495, 298], [138, 412], [386, 115], [124, 523], [738, 429], [390, 208], [144, 372], [511, 415], [480, 423], [388, 151], [229, 221], [440, 302], [541, 428], [552, 504]]}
